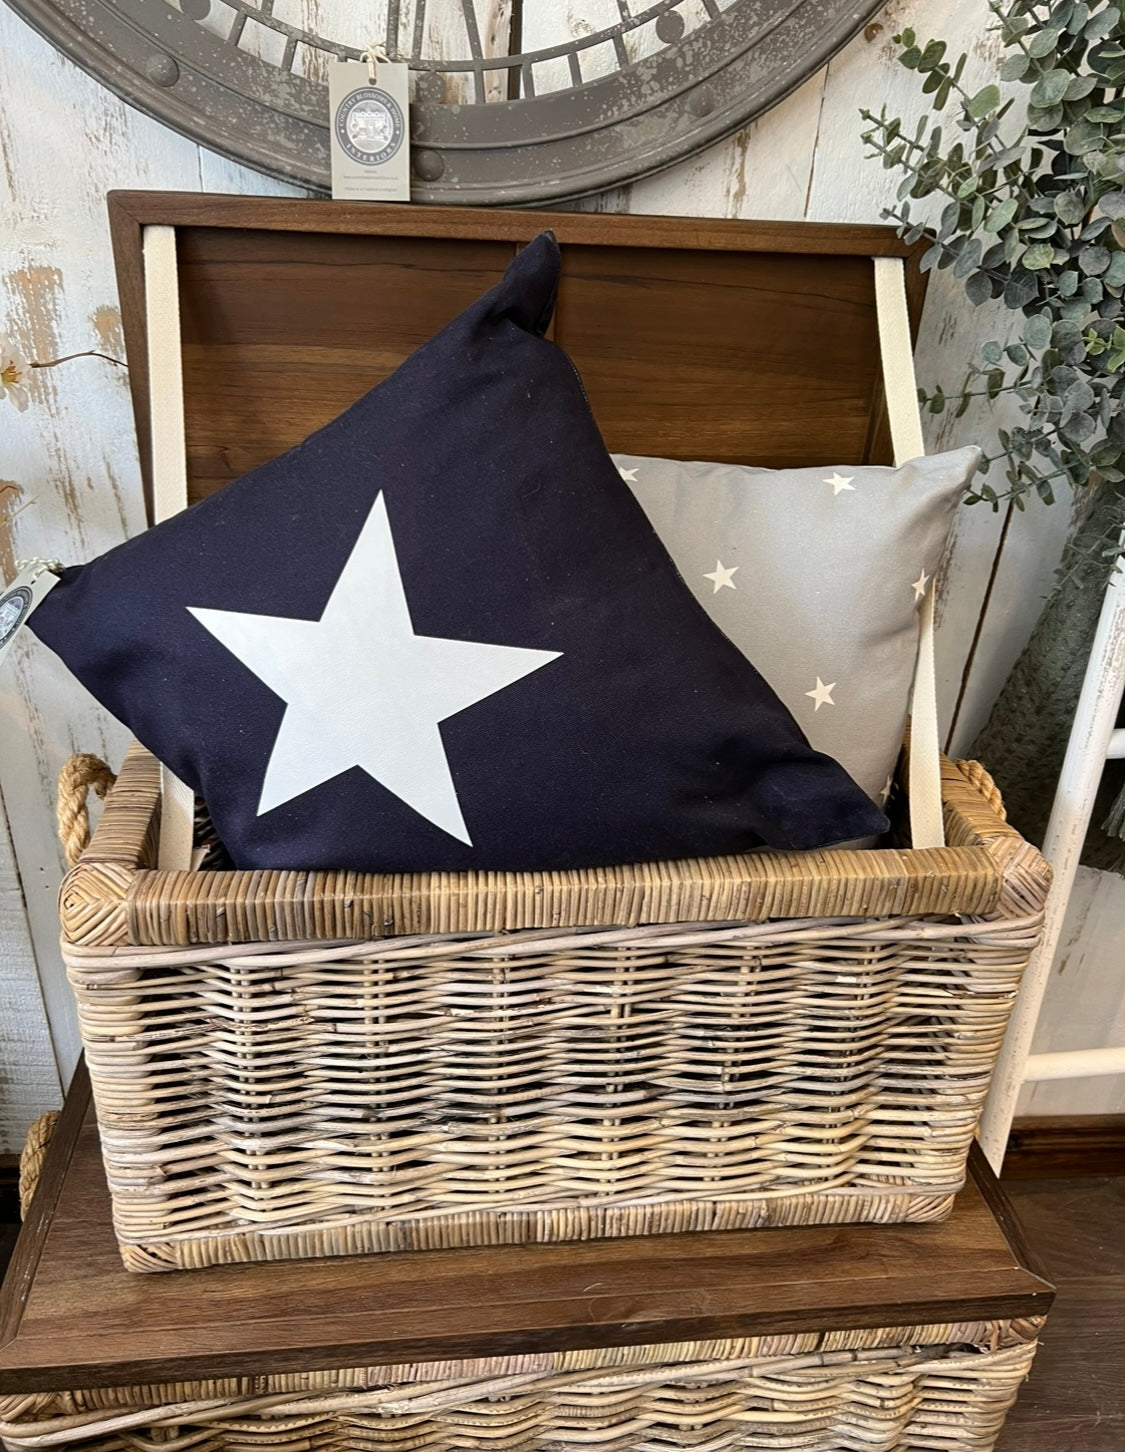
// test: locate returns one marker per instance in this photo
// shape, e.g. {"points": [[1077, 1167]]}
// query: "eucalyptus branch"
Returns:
{"points": [[1036, 219]]}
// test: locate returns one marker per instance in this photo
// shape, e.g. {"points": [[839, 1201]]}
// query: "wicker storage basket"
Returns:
{"points": [[769, 1040], [898, 1389], [913, 1339], [294, 1064]]}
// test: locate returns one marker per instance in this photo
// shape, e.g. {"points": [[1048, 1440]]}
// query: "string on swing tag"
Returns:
{"points": [[369, 128]]}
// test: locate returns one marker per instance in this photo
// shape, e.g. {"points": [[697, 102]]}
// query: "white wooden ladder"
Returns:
{"points": [[1093, 741]]}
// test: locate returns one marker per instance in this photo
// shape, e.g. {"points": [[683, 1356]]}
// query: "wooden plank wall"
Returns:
{"points": [[69, 484]]}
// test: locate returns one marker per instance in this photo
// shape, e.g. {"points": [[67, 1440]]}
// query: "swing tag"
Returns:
{"points": [[369, 118], [20, 598]]}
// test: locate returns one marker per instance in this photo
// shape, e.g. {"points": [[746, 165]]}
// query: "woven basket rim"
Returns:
{"points": [[116, 898]]}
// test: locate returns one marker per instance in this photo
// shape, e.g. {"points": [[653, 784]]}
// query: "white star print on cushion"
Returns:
{"points": [[723, 578], [822, 694], [399, 686], [629, 475], [840, 482], [919, 585]]}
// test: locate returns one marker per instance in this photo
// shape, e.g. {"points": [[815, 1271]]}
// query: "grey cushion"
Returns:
{"points": [[817, 575]]}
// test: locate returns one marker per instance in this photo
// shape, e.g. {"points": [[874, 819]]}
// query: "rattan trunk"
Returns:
{"points": [[308, 1064], [936, 1388]]}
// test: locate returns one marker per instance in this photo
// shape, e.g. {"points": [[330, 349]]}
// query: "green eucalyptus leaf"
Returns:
{"points": [[932, 55], [968, 259], [1080, 396], [1082, 137], [1103, 25], [1048, 119], [1048, 90], [976, 216], [1015, 67], [1079, 14], [1042, 254], [1077, 310], [978, 287], [1114, 275], [988, 98], [910, 58], [1044, 43], [1094, 260], [1079, 87], [1079, 428], [1070, 207], [1112, 205], [1001, 215], [1037, 332], [1021, 289], [991, 353]]}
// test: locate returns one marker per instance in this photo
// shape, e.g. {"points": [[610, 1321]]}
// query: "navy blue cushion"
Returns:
{"points": [[507, 671]]}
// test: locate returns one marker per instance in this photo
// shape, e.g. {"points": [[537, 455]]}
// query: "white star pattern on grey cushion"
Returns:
{"points": [[822, 694], [919, 585], [722, 577], [840, 482], [629, 475], [361, 689]]}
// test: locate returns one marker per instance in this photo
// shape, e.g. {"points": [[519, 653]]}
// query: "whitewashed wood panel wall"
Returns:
{"points": [[69, 481]]}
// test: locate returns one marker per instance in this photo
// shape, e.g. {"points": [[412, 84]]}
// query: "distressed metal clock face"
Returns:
{"points": [[514, 102]]}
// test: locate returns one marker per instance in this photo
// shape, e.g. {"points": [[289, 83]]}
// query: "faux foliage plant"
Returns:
{"points": [[1024, 192]]}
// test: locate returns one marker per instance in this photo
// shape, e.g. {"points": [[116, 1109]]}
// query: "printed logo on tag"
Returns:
{"points": [[15, 607], [20, 598], [370, 125]]}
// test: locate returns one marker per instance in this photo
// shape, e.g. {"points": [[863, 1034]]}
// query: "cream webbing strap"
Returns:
{"points": [[901, 389], [169, 480]]}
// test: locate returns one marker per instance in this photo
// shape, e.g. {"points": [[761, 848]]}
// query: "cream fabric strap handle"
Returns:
{"points": [[900, 387], [169, 481]]}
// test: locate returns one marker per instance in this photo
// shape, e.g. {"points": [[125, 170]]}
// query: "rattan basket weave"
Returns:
{"points": [[901, 1389], [289, 1064]]}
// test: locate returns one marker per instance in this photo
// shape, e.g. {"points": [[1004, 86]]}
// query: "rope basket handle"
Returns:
{"points": [[35, 1148], [980, 778], [81, 773]]}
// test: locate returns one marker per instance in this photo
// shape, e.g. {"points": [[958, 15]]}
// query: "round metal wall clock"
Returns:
{"points": [[514, 102]]}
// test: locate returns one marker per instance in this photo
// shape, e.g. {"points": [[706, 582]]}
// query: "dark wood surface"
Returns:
{"points": [[750, 342], [72, 1317], [1066, 1146], [1074, 1400]]}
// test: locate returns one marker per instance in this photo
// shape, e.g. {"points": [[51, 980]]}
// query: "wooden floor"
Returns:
{"points": [[1075, 1399]]}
